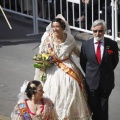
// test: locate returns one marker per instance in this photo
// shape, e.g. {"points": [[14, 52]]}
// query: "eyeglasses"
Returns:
{"points": [[100, 31]]}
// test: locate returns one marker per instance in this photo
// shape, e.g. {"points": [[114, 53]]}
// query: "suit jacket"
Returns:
{"points": [[103, 73]]}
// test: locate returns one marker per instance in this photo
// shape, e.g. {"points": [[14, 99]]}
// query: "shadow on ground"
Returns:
{"points": [[21, 32]]}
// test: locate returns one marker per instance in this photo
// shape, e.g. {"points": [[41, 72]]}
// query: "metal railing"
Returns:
{"points": [[46, 10]]}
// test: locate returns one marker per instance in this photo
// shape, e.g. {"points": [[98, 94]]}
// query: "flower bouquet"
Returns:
{"points": [[43, 61]]}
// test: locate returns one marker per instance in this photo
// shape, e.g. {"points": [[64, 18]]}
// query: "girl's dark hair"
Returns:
{"points": [[31, 88], [60, 21]]}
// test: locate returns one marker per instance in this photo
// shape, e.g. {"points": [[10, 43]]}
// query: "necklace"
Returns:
{"points": [[42, 107], [35, 106], [42, 100], [59, 40], [39, 116]]}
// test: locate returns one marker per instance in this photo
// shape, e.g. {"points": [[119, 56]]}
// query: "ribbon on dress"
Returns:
{"points": [[22, 107]]}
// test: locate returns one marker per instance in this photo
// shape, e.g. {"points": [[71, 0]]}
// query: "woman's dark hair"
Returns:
{"points": [[31, 88], [60, 21]]}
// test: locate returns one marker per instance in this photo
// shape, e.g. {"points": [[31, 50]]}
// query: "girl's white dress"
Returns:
{"points": [[60, 87]]}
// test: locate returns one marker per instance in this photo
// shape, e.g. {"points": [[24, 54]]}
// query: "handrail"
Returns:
{"points": [[34, 16]]}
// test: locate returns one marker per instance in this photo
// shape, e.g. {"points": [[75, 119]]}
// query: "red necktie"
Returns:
{"points": [[98, 53]]}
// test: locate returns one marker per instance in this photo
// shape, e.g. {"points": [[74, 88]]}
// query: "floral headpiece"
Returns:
{"points": [[67, 28], [32, 85]]}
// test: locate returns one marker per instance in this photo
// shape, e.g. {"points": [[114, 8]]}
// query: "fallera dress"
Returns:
{"points": [[60, 87], [46, 111]]}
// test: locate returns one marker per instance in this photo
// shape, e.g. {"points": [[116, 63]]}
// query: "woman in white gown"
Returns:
{"points": [[64, 80]]}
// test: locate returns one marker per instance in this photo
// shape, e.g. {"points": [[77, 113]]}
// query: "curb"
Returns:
{"points": [[2, 117]]}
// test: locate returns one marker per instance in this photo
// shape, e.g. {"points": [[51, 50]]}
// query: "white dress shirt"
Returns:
{"points": [[101, 46]]}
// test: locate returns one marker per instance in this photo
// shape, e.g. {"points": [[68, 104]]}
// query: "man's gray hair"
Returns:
{"points": [[99, 22]]}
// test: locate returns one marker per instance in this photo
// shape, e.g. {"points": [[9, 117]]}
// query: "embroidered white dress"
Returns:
{"points": [[60, 87]]}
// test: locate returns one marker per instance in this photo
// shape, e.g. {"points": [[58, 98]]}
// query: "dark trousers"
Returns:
{"points": [[98, 102]]}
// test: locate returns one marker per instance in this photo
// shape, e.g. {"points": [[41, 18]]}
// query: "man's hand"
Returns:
{"points": [[85, 1]]}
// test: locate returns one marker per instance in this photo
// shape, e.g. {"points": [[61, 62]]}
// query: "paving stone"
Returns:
{"points": [[4, 118]]}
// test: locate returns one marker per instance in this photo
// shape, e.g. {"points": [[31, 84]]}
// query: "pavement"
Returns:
{"points": [[17, 45]]}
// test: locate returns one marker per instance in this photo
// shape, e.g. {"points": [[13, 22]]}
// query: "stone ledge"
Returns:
{"points": [[118, 42], [81, 36]]}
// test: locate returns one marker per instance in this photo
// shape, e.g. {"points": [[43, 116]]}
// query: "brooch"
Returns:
{"points": [[107, 47]]}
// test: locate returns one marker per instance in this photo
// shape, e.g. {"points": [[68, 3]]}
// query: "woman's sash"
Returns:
{"points": [[22, 107]]}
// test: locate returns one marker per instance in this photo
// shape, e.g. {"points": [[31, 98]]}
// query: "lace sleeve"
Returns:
{"points": [[43, 46], [53, 114]]}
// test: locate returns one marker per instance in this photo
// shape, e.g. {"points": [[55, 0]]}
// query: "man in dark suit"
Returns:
{"points": [[99, 57]]}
